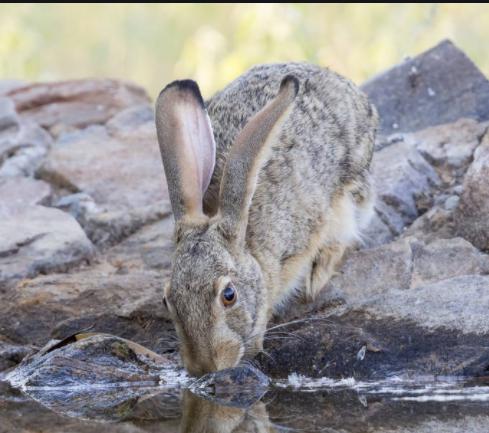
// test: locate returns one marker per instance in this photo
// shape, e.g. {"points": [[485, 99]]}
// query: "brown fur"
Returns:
{"points": [[288, 193]]}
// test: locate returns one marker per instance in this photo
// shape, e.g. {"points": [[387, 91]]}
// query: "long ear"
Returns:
{"points": [[187, 146], [248, 154]]}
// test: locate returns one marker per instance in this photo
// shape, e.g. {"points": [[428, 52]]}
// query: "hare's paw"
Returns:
{"points": [[322, 269]]}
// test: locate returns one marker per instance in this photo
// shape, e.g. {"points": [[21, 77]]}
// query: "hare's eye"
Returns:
{"points": [[229, 296]]}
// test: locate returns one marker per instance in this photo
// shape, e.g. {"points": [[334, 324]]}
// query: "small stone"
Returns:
{"points": [[451, 202]]}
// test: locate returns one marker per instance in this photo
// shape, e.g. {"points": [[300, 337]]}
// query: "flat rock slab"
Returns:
{"points": [[439, 86], [38, 239], [76, 103]]}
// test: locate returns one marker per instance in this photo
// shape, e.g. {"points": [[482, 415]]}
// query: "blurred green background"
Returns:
{"points": [[153, 44]]}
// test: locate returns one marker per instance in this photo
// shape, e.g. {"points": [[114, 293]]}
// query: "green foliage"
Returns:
{"points": [[152, 44]]}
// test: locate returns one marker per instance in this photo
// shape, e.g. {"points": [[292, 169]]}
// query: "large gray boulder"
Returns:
{"points": [[439, 86]]}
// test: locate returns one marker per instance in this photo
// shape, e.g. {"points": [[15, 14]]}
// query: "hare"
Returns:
{"points": [[269, 183]]}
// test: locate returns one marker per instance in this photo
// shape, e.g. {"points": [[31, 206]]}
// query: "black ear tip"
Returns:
{"points": [[186, 86], [289, 80]]}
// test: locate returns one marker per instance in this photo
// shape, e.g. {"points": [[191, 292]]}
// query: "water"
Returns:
{"points": [[396, 404]]}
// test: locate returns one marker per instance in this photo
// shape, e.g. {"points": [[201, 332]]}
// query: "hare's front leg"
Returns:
{"points": [[322, 269]]}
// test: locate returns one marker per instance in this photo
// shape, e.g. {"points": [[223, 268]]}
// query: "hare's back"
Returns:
{"points": [[332, 122], [326, 143]]}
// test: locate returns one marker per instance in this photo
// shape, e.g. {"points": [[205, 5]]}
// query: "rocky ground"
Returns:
{"points": [[86, 227]]}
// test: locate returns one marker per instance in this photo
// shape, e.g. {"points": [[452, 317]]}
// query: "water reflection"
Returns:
{"points": [[205, 416], [280, 410]]}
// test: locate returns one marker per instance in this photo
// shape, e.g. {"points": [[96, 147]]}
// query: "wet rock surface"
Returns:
{"points": [[86, 242], [95, 360]]}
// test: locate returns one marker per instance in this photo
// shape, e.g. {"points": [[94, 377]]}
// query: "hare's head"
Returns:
{"points": [[216, 295]]}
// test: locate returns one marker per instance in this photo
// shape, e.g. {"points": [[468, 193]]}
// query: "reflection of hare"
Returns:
{"points": [[204, 416], [267, 207]]}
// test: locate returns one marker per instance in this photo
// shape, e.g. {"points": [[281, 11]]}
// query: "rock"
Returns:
{"points": [[19, 192], [451, 202], [435, 261], [38, 239], [408, 306], [25, 162], [364, 345], [377, 274], [439, 305], [122, 181], [439, 86], [23, 145], [107, 228], [437, 223], [79, 205], [374, 270], [133, 122], [7, 86], [8, 116], [149, 248], [418, 172], [452, 145], [402, 176], [471, 216], [77, 102], [119, 294], [91, 359], [11, 354], [237, 387]]}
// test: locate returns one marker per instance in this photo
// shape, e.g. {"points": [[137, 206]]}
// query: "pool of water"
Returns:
{"points": [[396, 404]]}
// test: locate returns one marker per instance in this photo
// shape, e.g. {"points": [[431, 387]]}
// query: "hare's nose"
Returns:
{"points": [[199, 365]]}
